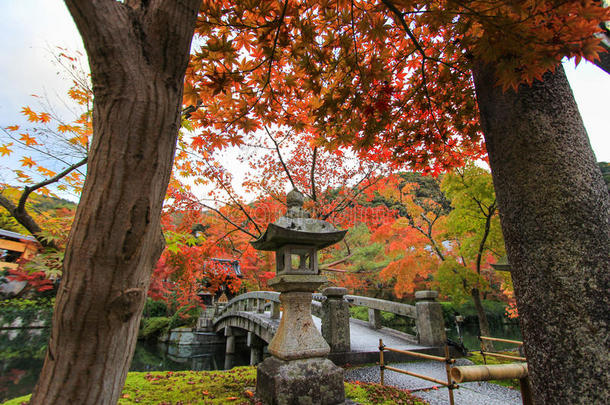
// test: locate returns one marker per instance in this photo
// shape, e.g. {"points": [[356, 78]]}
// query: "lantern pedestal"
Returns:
{"points": [[297, 336], [305, 381], [298, 368]]}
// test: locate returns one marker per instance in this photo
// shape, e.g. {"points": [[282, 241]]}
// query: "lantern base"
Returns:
{"points": [[304, 381]]}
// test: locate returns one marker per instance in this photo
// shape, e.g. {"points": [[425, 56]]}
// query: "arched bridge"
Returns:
{"points": [[257, 314]]}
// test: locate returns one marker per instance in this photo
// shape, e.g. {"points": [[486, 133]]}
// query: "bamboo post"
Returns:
{"points": [[515, 342], [423, 377], [448, 362], [416, 354], [504, 356], [381, 365], [489, 372]]}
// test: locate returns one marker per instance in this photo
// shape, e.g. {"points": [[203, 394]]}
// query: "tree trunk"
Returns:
{"points": [[138, 52], [555, 214], [604, 61], [483, 323]]}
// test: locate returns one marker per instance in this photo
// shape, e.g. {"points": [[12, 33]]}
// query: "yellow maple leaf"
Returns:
{"points": [[5, 150]]}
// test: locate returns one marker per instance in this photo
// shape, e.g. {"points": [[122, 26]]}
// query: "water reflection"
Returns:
{"points": [[470, 333], [151, 357], [19, 372]]}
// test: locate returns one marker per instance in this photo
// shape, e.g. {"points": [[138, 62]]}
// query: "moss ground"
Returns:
{"points": [[235, 386]]}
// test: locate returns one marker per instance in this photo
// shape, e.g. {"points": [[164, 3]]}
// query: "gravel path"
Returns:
{"points": [[474, 393]]}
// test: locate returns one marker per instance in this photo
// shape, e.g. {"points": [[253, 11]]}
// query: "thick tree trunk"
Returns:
{"points": [[604, 57], [138, 52], [555, 214], [604, 61], [483, 322]]}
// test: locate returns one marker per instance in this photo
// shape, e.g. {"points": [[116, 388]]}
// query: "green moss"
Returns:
{"points": [[235, 386], [369, 393], [153, 327], [18, 401]]}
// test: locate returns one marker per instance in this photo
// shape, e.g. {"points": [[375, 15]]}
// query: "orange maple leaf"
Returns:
{"points": [[31, 115], [29, 141], [27, 161]]}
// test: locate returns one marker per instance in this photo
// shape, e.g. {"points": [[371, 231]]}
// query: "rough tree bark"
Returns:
{"points": [[555, 214], [483, 321], [138, 51]]}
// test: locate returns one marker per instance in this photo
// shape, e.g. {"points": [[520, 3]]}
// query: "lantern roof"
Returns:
{"points": [[297, 228]]}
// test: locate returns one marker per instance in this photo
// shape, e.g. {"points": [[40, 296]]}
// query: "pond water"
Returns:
{"points": [[18, 374], [470, 335]]}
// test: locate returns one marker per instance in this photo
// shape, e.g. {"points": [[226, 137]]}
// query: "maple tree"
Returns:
{"points": [[426, 240], [53, 153], [393, 79], [474, 228], [390, 78]]}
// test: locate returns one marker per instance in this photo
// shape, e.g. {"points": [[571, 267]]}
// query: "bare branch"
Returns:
{"points": [[313, 170], [279, 155], [337, 262], [26, 221], [224, 217], [28, 190]]}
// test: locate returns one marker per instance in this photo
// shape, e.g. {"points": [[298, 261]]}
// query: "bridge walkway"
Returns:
{"points": [[258, 314], [364, 340]]}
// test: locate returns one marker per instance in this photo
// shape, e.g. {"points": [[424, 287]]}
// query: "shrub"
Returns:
{"points": [[154, 308], [151, 328], [495, 310]]}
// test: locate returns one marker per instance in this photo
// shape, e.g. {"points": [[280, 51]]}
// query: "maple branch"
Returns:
{"points": [[428, 234], [226, 234], [483, 240], [349, 251], [425, 87], [414, 40], [337, 262], [333, 270], [237, 203], [347, 200], [279, 155], [354, 39], [311, 174], [188, 111], [26, 221], [275, 41], [42, 151], [28, 190], [223, 216]]}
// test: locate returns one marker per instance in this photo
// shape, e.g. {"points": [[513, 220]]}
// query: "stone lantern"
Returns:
{"points": [[298, 371]]}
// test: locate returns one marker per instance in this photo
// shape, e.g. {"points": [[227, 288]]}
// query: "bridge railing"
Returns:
{"points": [[426, 312], [375, 306], [255, 301]]}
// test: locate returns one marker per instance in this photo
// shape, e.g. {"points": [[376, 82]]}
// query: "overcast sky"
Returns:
{"points": [[31, 28]]}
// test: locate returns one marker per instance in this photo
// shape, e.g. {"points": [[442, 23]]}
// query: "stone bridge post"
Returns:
{"points": [[430, 323], [335, 320]]}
